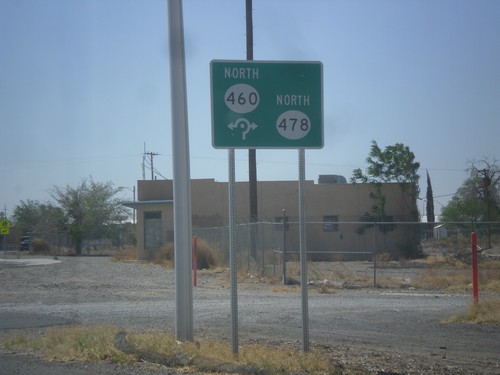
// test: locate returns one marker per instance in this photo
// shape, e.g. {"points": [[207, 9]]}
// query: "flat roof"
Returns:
{"points": [[135, 204]]}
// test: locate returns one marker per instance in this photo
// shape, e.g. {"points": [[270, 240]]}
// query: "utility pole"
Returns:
{"points": [[252, 157], [151, 155], [144, 162]]}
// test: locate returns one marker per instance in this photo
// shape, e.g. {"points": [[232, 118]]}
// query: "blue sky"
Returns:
{"points": [[84, 84]]}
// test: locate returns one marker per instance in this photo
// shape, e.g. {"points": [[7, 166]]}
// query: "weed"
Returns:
{"points": [[485, 311], [97, 343], [451, 280], [125, 255]]}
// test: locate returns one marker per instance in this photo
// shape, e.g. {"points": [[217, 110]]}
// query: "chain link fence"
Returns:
{"points": [[344, 254], [60, 243], [362, 254]]}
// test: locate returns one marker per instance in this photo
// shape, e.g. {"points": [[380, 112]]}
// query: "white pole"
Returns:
{"points": [[181, 176]]}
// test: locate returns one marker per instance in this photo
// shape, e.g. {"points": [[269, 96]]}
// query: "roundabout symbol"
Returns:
{"points": [[245, 125]]}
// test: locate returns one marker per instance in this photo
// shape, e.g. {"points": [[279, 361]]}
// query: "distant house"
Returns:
{"points": [[440, 231], [333, 212]]}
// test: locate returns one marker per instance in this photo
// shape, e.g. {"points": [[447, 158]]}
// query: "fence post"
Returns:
{"points": [[475, 289], [375, 255], [283, 237], [195, 259]]}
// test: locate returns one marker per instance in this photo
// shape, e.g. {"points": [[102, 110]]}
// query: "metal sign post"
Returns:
{"points": [[181, 176], [232, 253], [303, 250], [267, 104]]}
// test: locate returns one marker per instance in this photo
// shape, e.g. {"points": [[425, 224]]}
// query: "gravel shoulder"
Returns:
{"points": [[377, 330]]}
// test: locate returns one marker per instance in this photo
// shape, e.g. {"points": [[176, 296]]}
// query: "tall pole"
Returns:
{"points": [[252, 157], [232, 253], [133, 191], [475, 288], [303, 250], [182, 186], [152, 167]]}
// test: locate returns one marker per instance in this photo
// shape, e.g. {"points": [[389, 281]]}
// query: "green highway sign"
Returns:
{"points": [[266, 104]]}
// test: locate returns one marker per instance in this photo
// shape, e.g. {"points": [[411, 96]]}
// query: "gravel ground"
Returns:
{"points": [[375, 330]]}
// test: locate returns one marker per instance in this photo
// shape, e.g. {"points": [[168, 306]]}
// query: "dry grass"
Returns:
{"points": [[76, 343], [441, 261], [489, 276], [165, 255], [449, 280], [219, 354], [125, 255], [485, 311], [97, 344], [453, 275], [286, 289]]}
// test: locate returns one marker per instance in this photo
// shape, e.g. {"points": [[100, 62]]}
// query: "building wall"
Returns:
{"points": [[153, 190], [346, 202]]}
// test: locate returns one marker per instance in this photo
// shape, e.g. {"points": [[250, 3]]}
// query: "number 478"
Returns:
{"points": [[292, 123]]}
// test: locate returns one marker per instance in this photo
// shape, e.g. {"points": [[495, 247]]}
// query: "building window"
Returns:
{"points": [[279, 219], [330, 223]]}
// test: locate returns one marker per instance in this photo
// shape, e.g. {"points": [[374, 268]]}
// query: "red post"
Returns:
{"points": [[475, 288], [195, 259]]}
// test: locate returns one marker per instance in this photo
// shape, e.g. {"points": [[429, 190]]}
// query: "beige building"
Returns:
{"points": [[333, 212]]}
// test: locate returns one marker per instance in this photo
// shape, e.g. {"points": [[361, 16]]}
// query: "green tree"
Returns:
{"points": [[477, 200], [431, 218], [42, 218], [394, 164], [90, 209], [464, 206]]}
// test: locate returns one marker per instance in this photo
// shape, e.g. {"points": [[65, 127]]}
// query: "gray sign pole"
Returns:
{"points": [[303, 250], [182, 186], [232, 252]]}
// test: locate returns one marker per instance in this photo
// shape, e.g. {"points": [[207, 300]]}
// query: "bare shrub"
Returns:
{"points": [[384, 257], [40, 246], [126, 255], [165, 255], [205, 256]]}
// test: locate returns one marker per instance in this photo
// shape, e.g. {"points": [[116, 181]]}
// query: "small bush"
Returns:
{"points": [[125, 255], [205, 258], [165, 255], [384, 257], [40, 246]]}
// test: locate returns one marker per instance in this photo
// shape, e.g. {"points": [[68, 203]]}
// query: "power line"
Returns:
{"points": [[151, 156]]}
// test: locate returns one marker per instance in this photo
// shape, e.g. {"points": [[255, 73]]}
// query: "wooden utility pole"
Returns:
{"points": [[151, 156], [252, 158]]}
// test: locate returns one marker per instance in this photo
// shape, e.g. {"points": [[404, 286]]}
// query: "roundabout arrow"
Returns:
{"points": [[243, 124]]}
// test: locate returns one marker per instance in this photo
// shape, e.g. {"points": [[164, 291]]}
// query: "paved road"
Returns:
{"points": [[400, 327]]}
